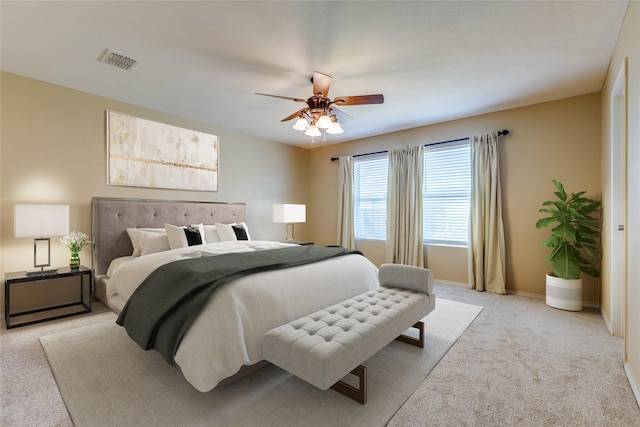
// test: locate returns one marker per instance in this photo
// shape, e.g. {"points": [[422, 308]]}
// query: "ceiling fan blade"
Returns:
{"points": [[359, 99], [321, 83], [283, 97], [294, 115], [340, 115]]}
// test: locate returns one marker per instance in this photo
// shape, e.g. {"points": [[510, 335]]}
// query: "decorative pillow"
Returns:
{"points": [[135, 234], [246, 229], [181, 237], [230, 232], [211, 234], [241, 233]]}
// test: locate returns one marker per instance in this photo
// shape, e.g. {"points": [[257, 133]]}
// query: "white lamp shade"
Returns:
{"points": [[40, 220], [323, 122], [335, 128], [313, 131], [301, 124], [289, 214]]}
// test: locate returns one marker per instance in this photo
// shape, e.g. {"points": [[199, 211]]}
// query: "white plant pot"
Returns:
{"points": [[564, 294]]}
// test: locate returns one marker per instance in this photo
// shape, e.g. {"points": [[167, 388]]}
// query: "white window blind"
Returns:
{"points": [[446, 193], [370, 196]]}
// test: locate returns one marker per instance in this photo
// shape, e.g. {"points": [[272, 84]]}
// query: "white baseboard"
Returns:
{"points": [[448, 282], [510, 292], [607, 323], [526, 294], [633, 383], [589, 304]]}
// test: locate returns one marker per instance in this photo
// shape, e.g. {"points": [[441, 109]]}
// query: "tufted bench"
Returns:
{"points": [[325, 346]]}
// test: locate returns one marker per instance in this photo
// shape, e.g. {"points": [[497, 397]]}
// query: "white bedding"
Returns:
{"points": [[228, 333]]}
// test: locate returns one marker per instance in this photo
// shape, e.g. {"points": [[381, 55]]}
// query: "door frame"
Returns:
{"points": [[618, 204]]}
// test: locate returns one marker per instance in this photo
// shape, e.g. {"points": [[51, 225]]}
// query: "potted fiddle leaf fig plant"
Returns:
{"points": [[573, 243]]}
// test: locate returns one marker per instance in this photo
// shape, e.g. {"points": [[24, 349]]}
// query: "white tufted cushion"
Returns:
{"points": [[323, 347]]}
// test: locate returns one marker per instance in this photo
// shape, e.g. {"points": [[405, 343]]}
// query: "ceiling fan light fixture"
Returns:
{"points": [[301, 124], [313, 131], [335, 128], [324, 122], [319, 118]]}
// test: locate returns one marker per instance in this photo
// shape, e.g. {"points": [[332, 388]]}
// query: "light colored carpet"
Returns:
{"points": [[519, 363], [28, 391], [523, 363], [106, 379]]}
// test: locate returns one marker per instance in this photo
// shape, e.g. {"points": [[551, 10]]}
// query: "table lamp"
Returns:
{"points": [[41, 222], [289, 214]]}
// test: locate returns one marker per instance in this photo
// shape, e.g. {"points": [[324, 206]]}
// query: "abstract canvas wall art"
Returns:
{"points": [[144, 153]]}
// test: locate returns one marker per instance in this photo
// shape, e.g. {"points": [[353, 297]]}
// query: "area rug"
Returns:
{"points": [[105, 379]]}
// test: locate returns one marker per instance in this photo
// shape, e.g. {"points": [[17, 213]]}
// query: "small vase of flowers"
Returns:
{"points": [[75, 241]]}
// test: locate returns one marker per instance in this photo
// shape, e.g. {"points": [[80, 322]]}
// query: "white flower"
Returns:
{"points": [[75, 240]]}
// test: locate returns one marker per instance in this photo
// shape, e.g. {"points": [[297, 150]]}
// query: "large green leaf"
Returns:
{"points": [[551, 211], [565, 264], [545, 222], [552, 242], [565, 230], [590, 250], [591, 271], [560, 188]]}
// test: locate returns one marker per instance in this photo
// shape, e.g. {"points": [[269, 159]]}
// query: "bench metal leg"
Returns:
{"points": [[410, 340], [359, 395]]}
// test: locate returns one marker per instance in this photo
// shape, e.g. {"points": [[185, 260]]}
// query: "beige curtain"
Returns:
{"points": [[404, 210], [486, 232], [346, 235]]}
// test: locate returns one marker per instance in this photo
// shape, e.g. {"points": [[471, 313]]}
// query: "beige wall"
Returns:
{"points": [[54, 151], [628, 48], [555, 140]]}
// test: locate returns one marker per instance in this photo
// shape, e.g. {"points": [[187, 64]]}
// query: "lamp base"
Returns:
{"points": [[289, 238]]}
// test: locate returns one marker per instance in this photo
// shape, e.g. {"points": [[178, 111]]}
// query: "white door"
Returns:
{"points": [[618, 192]]}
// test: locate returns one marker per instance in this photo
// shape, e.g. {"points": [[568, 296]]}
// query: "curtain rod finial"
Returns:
{"points": [[503, 132]]}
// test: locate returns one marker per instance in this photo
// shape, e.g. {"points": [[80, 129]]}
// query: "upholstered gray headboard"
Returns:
{"points": [[110, 218]]}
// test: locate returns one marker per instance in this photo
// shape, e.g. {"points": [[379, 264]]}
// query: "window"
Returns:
{"points": [[370, 197], [445, 193]]}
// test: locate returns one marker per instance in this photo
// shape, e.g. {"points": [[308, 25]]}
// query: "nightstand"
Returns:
{"points": [[20, 278]]}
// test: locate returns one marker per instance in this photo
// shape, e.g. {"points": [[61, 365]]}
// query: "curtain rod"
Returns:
{"points": [[500, 132]]}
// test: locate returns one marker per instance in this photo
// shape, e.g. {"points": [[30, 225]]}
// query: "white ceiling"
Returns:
{"points": [[433, 61]]}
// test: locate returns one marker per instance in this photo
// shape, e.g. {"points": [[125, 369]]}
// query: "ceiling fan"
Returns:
{"points": [[321, 112]]}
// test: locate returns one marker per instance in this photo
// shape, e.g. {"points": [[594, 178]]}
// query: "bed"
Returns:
{"points": [[242, 310]]}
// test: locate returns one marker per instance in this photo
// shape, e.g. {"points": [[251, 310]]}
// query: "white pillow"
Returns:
{"points": [[178, 238], [136, 233], [211, 234], [152, 243], [226, 233]]}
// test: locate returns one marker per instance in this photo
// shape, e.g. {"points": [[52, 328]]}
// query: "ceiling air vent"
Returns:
{"points": [[117, 60]]}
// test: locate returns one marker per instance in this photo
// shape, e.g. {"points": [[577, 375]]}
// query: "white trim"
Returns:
{"points": [[632, 382]]}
